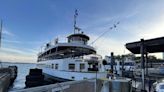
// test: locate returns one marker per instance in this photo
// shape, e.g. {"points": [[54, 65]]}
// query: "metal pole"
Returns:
{"points": [[146, 60], [122, 66], [0, 39], [96, 83], [112, 63], [0, 33], [142, 64]]}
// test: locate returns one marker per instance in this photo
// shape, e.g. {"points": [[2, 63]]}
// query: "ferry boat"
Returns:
{"points": [[71, 60]]}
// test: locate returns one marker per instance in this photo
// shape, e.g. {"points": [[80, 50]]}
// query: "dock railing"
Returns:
{"points": [[71, 86]]}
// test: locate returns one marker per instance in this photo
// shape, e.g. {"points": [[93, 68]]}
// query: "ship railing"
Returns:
{"points": [[61, 54]]}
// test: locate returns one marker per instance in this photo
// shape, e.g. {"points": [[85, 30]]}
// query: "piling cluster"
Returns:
{"points": [[35, 78]]}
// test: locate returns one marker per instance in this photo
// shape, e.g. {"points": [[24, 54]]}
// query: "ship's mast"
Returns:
{"points": [[75, 26], [75, 16]]}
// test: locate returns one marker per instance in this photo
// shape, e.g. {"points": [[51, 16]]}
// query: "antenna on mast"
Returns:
{"points": [[75, 27], [0, 33]]}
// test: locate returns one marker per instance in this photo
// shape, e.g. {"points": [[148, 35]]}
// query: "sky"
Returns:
{"points": [[29, 24]]}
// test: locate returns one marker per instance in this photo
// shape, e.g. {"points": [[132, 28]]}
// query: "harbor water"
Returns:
{"points": [[23, 70]]}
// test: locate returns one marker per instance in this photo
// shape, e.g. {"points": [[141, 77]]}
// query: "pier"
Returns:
{"points": [[90, 85], [7, 77], [144, 47]]}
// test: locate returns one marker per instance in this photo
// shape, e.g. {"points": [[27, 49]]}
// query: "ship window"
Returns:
{"points": [[82, 66], [71, 66], [56, 66]]}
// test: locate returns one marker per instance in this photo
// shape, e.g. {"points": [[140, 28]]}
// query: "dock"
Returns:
{"points": [[7, 77], [89, 85]]}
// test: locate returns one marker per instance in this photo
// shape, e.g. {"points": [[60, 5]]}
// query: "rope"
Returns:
{"points": [[113, 27]]}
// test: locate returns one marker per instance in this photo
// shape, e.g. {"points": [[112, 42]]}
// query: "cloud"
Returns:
{"points": [[15, 54], [12, 50], [139, 22], [6, 32], [106, 45], [152, 30], [146, 29], [22, 51], [131, 32], [131, 14], [22, 42], [12, 41], [18, 55], [10, 57]]}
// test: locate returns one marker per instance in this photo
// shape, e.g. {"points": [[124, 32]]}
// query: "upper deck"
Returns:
{"points": [[76, 45]]}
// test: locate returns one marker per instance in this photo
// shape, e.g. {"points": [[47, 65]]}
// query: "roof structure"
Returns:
{"points": [[152, 45], [79, 35]]}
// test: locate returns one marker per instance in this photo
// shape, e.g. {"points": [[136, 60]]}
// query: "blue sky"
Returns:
{"points": [[28, 24]]}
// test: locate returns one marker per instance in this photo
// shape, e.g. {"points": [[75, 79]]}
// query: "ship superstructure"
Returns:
{"points": [[72, 60]]}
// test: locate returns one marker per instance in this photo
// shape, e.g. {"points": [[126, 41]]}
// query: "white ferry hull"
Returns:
{"points": [[72, 75]]}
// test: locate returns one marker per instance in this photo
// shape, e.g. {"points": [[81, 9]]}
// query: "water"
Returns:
{"points": [[23, 70]]}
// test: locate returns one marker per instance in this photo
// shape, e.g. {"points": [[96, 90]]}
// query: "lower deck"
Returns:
{"points": [[73, 75]]}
